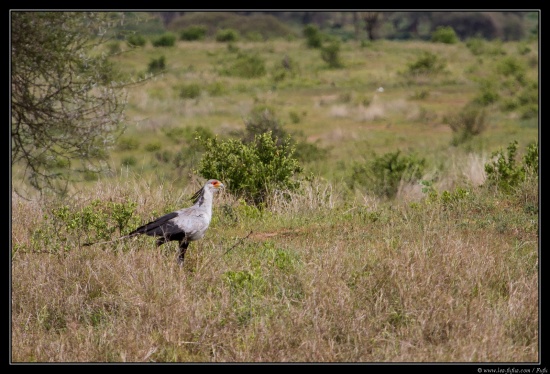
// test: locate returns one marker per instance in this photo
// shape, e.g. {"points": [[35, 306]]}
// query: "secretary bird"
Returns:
{"points": [[184, 225]]}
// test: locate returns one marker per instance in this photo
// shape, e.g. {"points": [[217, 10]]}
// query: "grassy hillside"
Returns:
{"points": [[444, 271], [339, 110]]}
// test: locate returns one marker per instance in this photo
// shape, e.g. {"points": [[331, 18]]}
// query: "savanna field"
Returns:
{"points": [[432, 257]]}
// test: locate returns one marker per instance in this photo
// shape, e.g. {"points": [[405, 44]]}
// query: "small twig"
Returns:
{"points": [[232, 247], [239, 242]]}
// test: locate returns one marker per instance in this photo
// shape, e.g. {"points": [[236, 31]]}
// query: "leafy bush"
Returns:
{"points": [[194, 32], [262, 119], [129, 161], [468, 123], [504, 173], [252, 171], [153, 146], [136, 40], [216, 88], [331, 54], [383, 174], [94, 222], [511, 66], [190, 91], [157, 65], [247, 66], [127, 144], [165, 40], [227, 35], [444, 34], [313, 36], [488, 92], [476, 45], [427, 63]]}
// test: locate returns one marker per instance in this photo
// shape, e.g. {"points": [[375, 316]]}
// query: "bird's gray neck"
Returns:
{"points": [[204, 199]]}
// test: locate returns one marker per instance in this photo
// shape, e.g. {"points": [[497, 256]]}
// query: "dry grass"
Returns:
{"points": [[319, 280]]}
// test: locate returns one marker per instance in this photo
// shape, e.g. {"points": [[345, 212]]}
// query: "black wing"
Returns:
{"points": [[163, 226]]}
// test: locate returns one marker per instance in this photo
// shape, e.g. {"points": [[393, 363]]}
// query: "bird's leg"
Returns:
{"points": [[181, 252]]}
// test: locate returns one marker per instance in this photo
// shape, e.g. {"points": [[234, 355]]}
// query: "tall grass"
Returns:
{"points": [[452, 277]]}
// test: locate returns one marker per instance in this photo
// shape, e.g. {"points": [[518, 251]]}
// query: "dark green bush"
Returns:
{"points": [[253, 171], [330, 53], [127, 143], [227, 35], [476, 45], [153, 146], [165, 40], [247, 66], [488, 92], [190, 91], [262, 119], [129, 161], [313, 36], [427, 63], [383, 174], [216, 89], [194, 32], [136, 40], [444, 34], [470, 122], [157, 65]]}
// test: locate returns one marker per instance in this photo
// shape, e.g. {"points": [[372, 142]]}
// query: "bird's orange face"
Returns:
{"points": [[216, 184]]}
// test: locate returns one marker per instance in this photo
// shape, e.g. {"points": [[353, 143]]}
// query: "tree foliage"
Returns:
{"points": [[66, 107]]}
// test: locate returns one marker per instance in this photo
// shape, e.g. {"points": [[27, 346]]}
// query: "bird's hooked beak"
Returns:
{"points": [[218, 185]]}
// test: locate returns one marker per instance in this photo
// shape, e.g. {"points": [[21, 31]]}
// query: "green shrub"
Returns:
{"points": [[476, 45], [136, 40], [444, 34], [153, 146], [383, 174], [194, 32], [310, 152], [504, 173], [470, 122], [94, 222], [313, 36], [523, 48], [294, 117], [252, 171], [262, 119], [227, 35], [216, 89], [127, 144], [247, 66], [488, 92], [157, 65], [129, 161], [427, 63], [165, 40], [190, 91], [330, 53]]}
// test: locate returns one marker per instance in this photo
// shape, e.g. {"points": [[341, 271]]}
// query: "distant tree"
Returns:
{"points": [[65, 106], [372, 23]]}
